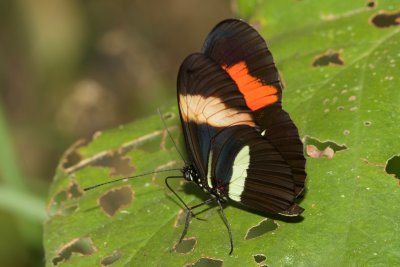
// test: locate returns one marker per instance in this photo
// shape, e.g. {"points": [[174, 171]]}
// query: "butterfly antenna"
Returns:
{"points": [[170, 136], [127, 178]]}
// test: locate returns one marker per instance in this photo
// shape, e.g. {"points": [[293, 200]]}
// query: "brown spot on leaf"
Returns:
{"points": [[328, 58], [265, 226], [71, 156], [64, 202], [384, 19], [367, 123], [110, 259], [80, 246], [206, 262], [371, 3], [122, 150], [393, 166], [318, 149], [186, 245], [168, 115], [74, 191], [115, 199], [120, 165]]}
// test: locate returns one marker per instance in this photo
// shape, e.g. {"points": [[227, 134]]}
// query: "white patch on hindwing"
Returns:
{"points": [[239, 173], [209, 170]]}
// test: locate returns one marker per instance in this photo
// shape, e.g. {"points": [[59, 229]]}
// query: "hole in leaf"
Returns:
{"points": [[259, 258], [384, 19], [328, 58], [393, 166], [115, 199], [186, 246], [314, 152], [110, 259], [206, 262], [318, 149], [371, 3], [260, 229], [80, 246]]}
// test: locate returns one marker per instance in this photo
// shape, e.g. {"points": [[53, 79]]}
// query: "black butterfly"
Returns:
{"points": [[242, 145]]}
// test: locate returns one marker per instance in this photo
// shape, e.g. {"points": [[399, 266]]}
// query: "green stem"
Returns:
{"points": [[9, 170]]}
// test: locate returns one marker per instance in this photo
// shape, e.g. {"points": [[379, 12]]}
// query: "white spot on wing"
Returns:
{"points": [[209, 180], [211, 110], [239, 173]]}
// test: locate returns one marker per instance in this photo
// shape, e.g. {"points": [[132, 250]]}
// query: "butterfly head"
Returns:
{"points": [[190, 174]]}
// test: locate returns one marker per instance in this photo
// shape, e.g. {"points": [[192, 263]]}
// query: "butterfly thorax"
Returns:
{"points": [[190, 174]]}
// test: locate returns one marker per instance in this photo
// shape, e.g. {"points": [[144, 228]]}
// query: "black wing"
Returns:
{"points": [[250, 170], [217, 126]]}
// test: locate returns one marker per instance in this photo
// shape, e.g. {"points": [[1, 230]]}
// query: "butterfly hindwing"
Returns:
{"points": [[251, 171], [283, 134]]}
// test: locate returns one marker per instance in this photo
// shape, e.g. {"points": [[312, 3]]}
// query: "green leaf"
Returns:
{"points": [[351, 213]]}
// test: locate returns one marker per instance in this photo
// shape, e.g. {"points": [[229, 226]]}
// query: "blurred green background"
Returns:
{"points": [[69, 68]]}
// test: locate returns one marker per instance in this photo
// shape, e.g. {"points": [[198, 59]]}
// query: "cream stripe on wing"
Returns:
{"points": [[239, 173], [213, 111], [209, 171]]}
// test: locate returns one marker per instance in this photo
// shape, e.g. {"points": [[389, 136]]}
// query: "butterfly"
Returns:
{"points": [[241, 145]]}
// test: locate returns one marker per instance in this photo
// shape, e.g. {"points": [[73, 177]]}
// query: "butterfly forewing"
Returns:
{"points": [[208, 102]]}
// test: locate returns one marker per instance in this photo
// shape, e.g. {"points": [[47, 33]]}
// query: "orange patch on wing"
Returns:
{"points": [[256, 94]]}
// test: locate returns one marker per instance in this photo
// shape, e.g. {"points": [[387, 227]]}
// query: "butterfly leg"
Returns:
{"points": [[189, 212], [227, 225], [173, 191]]}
